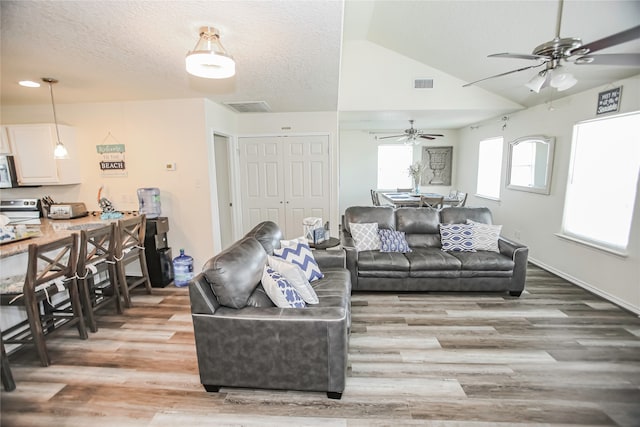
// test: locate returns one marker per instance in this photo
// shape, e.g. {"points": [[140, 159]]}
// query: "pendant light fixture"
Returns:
{"points": [[209, 59], [60, 152]]}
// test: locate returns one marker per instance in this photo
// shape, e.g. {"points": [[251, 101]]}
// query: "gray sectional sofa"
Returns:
{"points": [[259, 345], [427, 267]]}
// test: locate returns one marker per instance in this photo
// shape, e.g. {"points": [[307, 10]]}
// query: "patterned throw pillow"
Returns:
{"points": [[296, 277], [393, 241], [485, 236], [300, 254], [457, 237], [280, 290], [366, 236]]}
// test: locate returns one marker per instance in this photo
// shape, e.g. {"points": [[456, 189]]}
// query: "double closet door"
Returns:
{"points": [[284, 179]]}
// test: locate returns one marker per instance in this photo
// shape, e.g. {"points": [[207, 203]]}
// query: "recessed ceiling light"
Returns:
{"points": [[28, 83]]}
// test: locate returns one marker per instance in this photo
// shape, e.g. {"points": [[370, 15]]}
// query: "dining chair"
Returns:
{"points": [[129, 249], [431, 202], [462, 198], [97, 277], [49, 294], [5, 369], [375, 198]]}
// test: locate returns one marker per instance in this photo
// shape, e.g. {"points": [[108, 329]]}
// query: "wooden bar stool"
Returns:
{"points": [[97, 276], [51, 270], [7, 377], [130, 248]]}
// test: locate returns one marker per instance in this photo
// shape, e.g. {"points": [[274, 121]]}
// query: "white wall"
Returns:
{"points": [[154, 133], [535, 218], [359, 165]]}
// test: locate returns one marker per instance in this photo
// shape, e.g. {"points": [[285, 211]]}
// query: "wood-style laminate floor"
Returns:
{"points": [[558, 355]]}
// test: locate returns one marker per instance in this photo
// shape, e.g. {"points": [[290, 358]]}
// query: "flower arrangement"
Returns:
{"points": [[416, 169]]}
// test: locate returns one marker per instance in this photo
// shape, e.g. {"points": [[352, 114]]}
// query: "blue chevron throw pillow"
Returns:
{"points": [[300, 254]]}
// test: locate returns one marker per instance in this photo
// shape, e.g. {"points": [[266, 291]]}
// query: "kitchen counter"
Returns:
{"points": [[51, 230]]}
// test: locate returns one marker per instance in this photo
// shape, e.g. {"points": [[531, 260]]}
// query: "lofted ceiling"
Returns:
{"points": [[289, 53]]}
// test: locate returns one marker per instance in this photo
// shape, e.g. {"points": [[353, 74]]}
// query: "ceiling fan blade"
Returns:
{"points": [[622, 59], [427, 137], [612, 40], [519, 56], [385, 137], [503, 74], [422, 135]]}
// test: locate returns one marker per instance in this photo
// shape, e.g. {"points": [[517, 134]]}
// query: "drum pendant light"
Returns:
{"points": [[209, 59], [60, 152]]}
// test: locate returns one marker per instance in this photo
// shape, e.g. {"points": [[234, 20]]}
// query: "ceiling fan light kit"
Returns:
{"points": [[209, 59], [569, 49]]}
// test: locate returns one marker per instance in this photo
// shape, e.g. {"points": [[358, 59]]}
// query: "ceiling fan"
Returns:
{"points": [[569, 49], [411, 135]]}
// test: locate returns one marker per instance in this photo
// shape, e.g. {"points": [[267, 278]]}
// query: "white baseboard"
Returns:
{"points": [[588, 287]]}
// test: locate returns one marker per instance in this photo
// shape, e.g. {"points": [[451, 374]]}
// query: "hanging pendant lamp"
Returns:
{"points": [[60, 152], [209, 59]]}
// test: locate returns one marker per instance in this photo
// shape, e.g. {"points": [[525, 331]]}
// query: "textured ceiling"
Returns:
{"points": [[288, 52]]}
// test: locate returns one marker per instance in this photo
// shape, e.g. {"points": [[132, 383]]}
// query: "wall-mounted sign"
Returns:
{"points": [[111, 159], [609, 101]]}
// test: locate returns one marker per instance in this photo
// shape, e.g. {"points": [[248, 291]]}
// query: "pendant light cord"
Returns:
{"points": [[53, 105]]}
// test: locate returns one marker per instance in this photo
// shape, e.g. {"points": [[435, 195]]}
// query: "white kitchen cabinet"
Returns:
{"points": [[5, 148], [32, 147]]}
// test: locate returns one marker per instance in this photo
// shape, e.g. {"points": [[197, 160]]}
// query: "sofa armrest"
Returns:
{"points": [[203, 300], [329, 258], [295, 349], [519, 254], [351, 255]]}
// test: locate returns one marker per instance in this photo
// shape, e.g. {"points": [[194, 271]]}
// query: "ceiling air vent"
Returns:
{"points": [[423, 84], [249, 106]]}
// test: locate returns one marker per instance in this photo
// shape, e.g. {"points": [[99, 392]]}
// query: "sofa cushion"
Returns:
{"points": [[366, 236], [417, 220], [300, 254], [382, 215], [295, 276], [457, 215], [268, 233], [281, 292], [259, 298], [484, 261], [485, 236], [236, 272], [393, 241], [382, 261], [456, 237], [432, 259]]}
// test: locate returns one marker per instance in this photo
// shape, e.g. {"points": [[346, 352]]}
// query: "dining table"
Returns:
{"points": [[409, 199]]}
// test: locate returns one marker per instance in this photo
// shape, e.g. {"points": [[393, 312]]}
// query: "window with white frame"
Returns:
{"points": [[393, 166], [489, 168], [605, 161]]}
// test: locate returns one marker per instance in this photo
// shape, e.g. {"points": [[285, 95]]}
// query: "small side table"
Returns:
{"points": [[329, 243]]}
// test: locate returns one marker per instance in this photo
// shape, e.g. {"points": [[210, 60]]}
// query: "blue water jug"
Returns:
{"points": [[149, 202], [182, 269]]}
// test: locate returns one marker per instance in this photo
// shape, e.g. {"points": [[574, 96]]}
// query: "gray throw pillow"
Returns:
{"points": [[235, 272]]}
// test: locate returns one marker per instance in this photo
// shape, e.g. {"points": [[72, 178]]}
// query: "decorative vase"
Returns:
{"points": [[416, 184]]}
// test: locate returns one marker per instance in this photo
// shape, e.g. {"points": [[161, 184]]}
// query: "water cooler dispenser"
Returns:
{"points": [[158, 252]]}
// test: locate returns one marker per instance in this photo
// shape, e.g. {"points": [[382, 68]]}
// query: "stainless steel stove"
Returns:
{"points": [[21, 211]]}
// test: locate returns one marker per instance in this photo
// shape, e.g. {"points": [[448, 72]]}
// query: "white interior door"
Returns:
{"points": [[262, 183], [306, 181], [284, 179]]}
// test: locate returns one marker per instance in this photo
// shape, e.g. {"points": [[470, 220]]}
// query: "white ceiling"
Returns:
{"points": [[288, 53]]}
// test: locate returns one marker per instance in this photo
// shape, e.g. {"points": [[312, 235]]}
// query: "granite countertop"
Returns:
{"points": [[51, 230]]}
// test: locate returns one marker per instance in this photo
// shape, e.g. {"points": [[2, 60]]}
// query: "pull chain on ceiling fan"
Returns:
{"points": [[569, 49], [412, 135]]}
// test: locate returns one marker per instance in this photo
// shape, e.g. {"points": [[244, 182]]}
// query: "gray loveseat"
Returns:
{"points": [[427, 267], [260, 345]]}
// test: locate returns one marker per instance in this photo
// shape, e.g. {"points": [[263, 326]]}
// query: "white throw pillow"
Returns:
{"points": [[365, 235], [485, 236], [296, 277], [280, 290]]}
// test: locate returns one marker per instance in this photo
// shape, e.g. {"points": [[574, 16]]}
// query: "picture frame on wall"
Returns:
{"points": [[438, 161]]}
